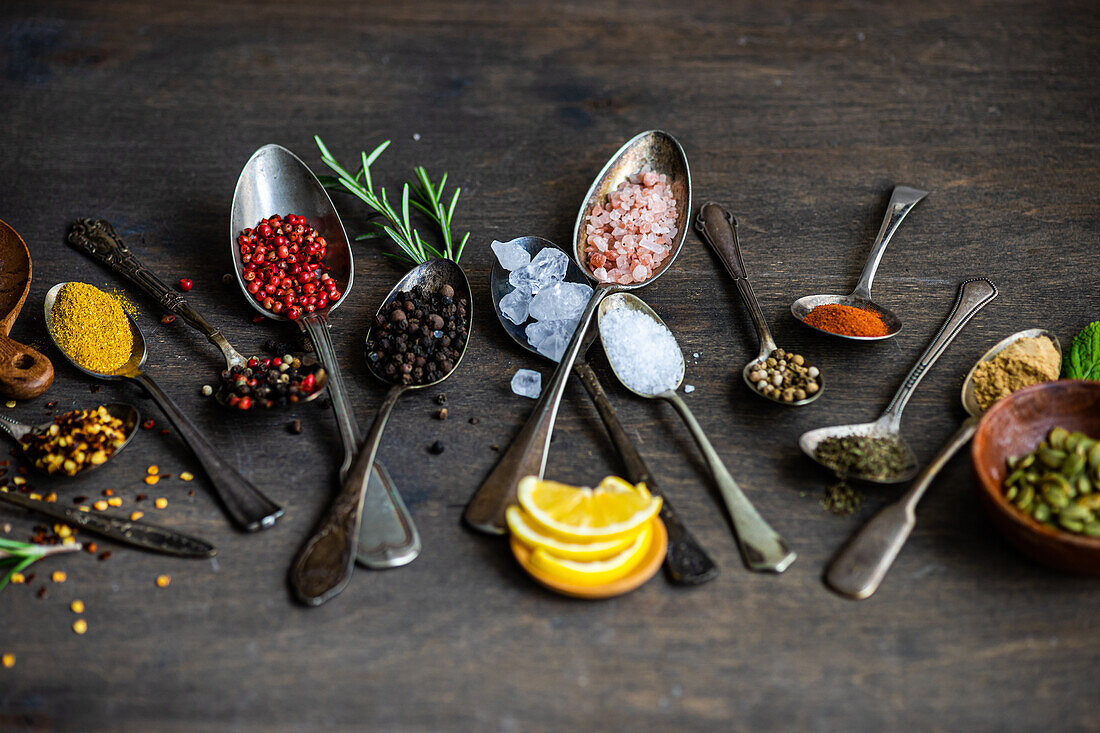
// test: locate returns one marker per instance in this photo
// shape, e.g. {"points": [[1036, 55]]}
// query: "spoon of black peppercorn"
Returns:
{"points": [[686, 562], [718, 228], [324, 564], [242, 501], [98, 239], [276, 181]]}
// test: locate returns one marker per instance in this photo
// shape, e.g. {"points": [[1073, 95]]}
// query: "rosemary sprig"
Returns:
{"points": [[424, 196], [19, 555]]}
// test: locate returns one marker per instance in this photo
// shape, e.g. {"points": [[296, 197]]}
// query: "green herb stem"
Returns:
{"points": [[17, 556]]}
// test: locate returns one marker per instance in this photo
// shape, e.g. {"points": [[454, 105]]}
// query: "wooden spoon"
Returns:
{"points": [[24, 373]]}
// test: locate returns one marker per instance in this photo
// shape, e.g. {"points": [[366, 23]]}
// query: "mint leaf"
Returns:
{"points": [[1083, 359]]}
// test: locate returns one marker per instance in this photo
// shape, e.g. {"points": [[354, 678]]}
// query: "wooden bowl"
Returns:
{"points": [[1014, 426], [645, 570]]}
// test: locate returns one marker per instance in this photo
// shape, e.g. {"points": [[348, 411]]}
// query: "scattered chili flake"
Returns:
{"points": [[442, 414], [58, 576], [151, 480], [8, 660], [35, 497], [167, 319], [18, 578], [100, 506], [152, 470], [160, 503], [80, 626], [163, 581], [140, 497], [495, 448], [90, 548], [165, 431], [95, 388], [9, 403], [77, 606], [19, 480], [42, 592], [108, 492], [148, 424], [186, 476], [51, 404], [191, 492], [105, 555], [134, 516], [84, 508], [30, 577], [51, 497]]}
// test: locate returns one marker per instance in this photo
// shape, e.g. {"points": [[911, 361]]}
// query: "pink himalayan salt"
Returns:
{"points": [[630, 235]]}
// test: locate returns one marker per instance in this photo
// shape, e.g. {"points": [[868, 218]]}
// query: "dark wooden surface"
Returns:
{"points": [[800, 118]]}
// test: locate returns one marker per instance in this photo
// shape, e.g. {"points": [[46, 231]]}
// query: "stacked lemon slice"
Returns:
{"points": [[582, 536]]}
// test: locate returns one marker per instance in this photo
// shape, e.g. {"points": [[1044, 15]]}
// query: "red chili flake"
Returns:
{"points": [[104, 555], [140, 497], [260, 319], [191, 492], [165, 431], [4, 463], [29, 577], [22, 470], [95, 388], [167, 319], [90, 548], [148, 424], [108, 492], [51, 404], [42, 592], [186, 284]]}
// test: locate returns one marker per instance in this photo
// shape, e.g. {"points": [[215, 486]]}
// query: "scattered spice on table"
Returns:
{"points": [[8, 660], [786, 376], [419, 336], [163, 581], [436, 448], [80, 626], [863, 456], [75, 441], [91, 328], [643, 352], [1024, 362], [283, 267], [842, 499], [295, 427], [629, 235], [847, 320], [441, 414], [1058, 484]]}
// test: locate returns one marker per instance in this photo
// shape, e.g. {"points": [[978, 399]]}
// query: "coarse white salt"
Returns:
{"points": [[643, 352], [631, 234]]}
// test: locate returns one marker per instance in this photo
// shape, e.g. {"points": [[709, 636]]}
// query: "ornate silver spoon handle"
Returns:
{"points": [[902, 201], [686, 561], [859, 568], [98, 239], [974, 294]]}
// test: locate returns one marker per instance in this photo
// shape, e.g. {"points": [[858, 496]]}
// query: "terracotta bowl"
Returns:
{"points": [[1014, 426]]}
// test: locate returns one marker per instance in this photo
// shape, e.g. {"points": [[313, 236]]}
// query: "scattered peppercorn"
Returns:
{"points": [[441, 399], [786, 376], [436, 448], [295, 427], [267, 382], [475, 420], [419, 336], [186, 284]]}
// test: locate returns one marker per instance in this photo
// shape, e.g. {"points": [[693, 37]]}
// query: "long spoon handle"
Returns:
{"points": [[860, 567], [98, 239], [974, 294], [388, 537], [243, 502], [526, 456], [324, 564], [718, 228], [902, 202], [762, 549], [686, 562]]}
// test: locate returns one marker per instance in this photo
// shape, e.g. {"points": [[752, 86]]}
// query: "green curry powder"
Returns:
{"points": [[91, 328]]}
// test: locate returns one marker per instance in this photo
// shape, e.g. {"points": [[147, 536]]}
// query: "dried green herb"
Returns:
{"points": [[842, 499], [863, 456]]}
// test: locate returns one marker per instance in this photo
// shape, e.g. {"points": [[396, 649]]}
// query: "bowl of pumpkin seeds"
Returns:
{"points": [[1036, 458]]}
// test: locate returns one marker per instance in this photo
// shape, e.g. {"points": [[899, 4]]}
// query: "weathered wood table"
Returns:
{"points": [[799, 118]]}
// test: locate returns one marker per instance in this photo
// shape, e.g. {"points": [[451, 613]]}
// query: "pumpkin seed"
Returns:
{"points": [[1092, 529], [1094, 456], [1041, 513], [1066, 494], [1072, 525], [1057, 437], [1073, 464], [1051, 457]]}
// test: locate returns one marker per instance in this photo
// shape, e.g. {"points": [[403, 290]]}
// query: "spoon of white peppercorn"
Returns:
{"points": [[775, 374]]}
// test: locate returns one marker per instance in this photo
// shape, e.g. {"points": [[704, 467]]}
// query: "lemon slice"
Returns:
{"points": [[529, 534], [596, 572], [613, 510]]}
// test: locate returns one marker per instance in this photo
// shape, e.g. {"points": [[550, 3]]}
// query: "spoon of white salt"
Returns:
{"points": [[646, 358]]}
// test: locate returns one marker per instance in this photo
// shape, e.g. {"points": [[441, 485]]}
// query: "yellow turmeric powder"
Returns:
{"points": [[91, 328]]}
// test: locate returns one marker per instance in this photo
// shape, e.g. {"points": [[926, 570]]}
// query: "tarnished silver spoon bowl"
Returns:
{"points": [[860, 566], [686, 562], [324, 564], [902, 202], [276, 181], [128, 414], [973, 295], [245, 505], [526, 456]]}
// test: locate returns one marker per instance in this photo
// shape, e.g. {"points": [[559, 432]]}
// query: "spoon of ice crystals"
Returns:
{"points": [[645, 357], [861, 565], [884, 434], [685, 561]]}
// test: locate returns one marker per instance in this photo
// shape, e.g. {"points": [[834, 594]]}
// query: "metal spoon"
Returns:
{"points": [[324, 564], [685, 561], [242, 501], [902, 201], [762, 549], [128, 414], [276, 181], [861, 565], [973, 295], [526, 456], [98, 239], [718, 228]]}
